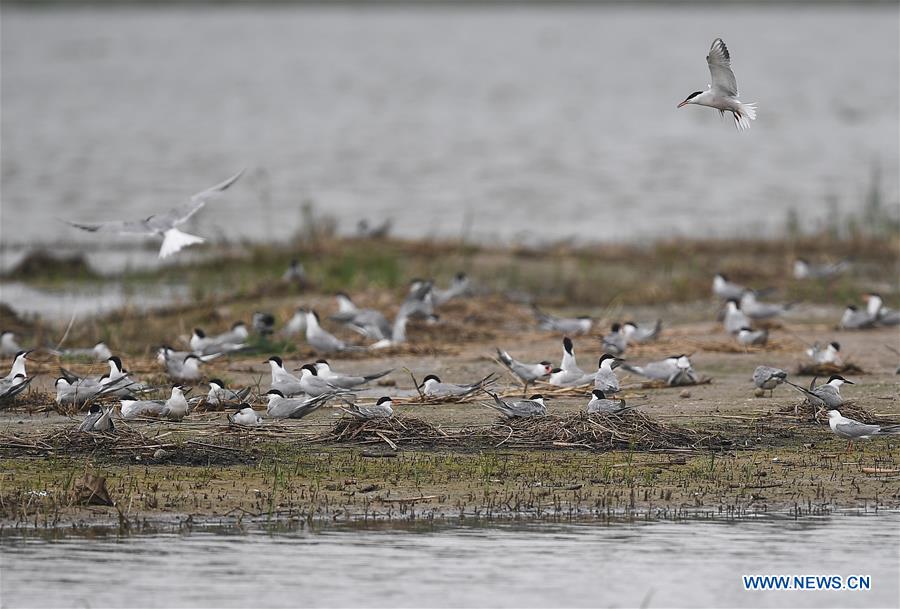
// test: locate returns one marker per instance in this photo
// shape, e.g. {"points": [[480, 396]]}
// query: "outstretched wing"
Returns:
{"points": [[130, 227], [182, 213], [719, 60]]}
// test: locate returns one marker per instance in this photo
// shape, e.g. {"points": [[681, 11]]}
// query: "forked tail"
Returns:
{"points": [[744, 114], [174, 240]]}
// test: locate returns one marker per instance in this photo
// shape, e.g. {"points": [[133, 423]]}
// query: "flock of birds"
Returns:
{"points": [[297, 393]]}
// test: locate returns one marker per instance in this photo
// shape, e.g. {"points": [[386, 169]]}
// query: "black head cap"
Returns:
{"points": [[95, 409], [237, 325], [567, 345], [199, 332], [693, 95], [460, 276], [274, 392], [605, 357], [115, 359], [384, 399], [852, 307], [836, 345], [217, 382], [615, 327], [276, 359], [311, 367], [430, 377], [322, 361], [545, 363], [838, 377], [599, 394], [536, 396], [555, 370]]}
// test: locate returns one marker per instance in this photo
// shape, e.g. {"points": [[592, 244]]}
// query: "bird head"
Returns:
{"points": [[690, 99]]}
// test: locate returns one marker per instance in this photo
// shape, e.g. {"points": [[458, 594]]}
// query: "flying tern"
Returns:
{"points": [[164, 225], [722, 93]]}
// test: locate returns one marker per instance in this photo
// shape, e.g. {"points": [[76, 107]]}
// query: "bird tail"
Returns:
{"points": [[745, 114], [890, 430], [174, 240]]}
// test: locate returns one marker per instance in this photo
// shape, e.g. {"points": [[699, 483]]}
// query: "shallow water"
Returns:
{"points": [[480, 121], [660, 564]]}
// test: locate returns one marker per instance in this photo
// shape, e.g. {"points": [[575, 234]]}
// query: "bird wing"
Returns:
{"points": [[128, 227], [719, 60], [855, 429], [182, 213]]}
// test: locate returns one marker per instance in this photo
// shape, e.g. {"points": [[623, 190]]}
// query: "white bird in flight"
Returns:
{"points": [[164, 225], [722, 93]]}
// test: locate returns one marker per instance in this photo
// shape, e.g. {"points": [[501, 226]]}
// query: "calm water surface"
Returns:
{"points": [[545, 122], [656, 564]]}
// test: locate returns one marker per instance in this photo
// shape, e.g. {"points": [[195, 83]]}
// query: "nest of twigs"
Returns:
{"points": [[827, 370], [393, 431], [628, 430]]}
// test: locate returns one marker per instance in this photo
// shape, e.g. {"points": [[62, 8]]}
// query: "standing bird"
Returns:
{"points": [[164, 225], [768, 378], [177, 406], [519, 409], [605, 378], [296, 324], [98, 420], [600, 404], [722, 93], [569, 374], [527, 372], [320, 339], [854, 430], [184, 369], [829, 355], [734, 318], [383, 409], [616, 341], [725, 289], [826, 395]]}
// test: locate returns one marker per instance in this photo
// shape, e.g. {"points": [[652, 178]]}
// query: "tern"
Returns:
{"points": [[245, 416], [722, 93], [458, 288], [830, 354], [882, 315], [279, 372], [320, 339], [528, 373], [673, 370], [605, 378], [761, 310], [398, 332], [725, 289], [296, 324], [177, 406], [11, 387], [569, 374], [345, 381], [8, 344], [314, 386], [18, 366], [81, 392], [201, 344], [748, 336], [433, 387], [97, 420], [567, 325], [854, 430], [826, 395], [218, 395], [854, 319], [383, 409], [132, 409], [735, 319], [616, 340], [368, 322], [181, 369], [767, 378], [419, 302], [164, 225], [804, 270], [281, 407], [518, 409], [295, 273], [99, 352], [263, 323], [641, 334], [600, 404]]}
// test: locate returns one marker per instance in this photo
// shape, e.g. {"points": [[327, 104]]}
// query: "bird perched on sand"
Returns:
{"points": [[825, 395], [768, 378], [518, 409], [854, 430], [164, 225], [722, 93]]}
